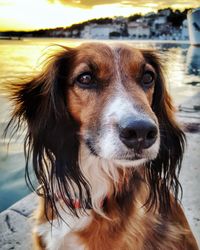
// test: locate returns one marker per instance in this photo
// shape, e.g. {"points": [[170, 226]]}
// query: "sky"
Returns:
{"points": [[38, 14]]}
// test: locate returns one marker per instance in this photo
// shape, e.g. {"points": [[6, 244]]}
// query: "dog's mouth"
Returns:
{"points": [[130, 156]]}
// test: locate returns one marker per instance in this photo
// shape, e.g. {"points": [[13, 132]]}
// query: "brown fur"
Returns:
{"points": [[141, 211], [138, 231], [135, 228]]}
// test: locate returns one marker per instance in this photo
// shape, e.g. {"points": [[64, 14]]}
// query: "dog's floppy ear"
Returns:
{"points": [[164, 170], [51, 140]]}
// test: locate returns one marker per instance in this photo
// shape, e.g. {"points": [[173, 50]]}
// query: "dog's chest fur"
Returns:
{"points": [[120, 231], [62, 234]]}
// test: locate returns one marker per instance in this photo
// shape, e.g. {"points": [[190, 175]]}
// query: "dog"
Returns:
{"points": [[106, 151]]}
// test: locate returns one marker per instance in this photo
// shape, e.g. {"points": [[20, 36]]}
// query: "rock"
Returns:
{"points": [[16, 225]]}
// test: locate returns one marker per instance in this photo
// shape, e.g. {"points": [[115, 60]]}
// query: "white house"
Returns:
{"points": [[75, 33], [138, 29], [185, 33], [98, 31], [160, 20], [160, 25], [67, 33], [85, 33]]}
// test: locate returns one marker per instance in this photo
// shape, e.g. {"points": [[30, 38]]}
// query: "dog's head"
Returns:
{"points": [[107, 102], [110, 97]]}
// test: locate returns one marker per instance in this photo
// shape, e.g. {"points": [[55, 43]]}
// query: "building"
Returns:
{"points": [[95, 31], [138, 30], [185, 33], [160, 21], [67, 33], [160, 26]]}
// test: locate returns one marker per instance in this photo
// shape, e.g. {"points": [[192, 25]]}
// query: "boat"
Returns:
{"points": [[193, 17]]}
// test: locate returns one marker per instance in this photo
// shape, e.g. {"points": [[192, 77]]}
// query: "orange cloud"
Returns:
{"points": [[134, 3]]}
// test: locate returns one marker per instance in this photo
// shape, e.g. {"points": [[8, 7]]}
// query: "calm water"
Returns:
{"points": [[19, 58]]}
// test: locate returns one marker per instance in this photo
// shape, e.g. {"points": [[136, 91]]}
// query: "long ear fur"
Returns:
{"points": [[51, 137], [163, 172]]}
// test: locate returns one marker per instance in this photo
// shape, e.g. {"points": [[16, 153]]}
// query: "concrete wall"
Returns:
{"points": [[16, 224]]}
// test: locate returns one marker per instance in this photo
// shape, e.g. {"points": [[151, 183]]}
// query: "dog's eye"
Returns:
{"points": [[148, 78], [85, 80]]}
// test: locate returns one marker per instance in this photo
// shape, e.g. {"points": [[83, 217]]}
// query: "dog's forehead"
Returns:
{"points": [[111, 51], [124, 49], [94, 49]]}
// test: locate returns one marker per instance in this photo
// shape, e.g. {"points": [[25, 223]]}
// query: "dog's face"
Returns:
{"points": [[93, 109], [110, 95]]}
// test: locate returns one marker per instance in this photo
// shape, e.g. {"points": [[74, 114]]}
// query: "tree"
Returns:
{"points": [[134, 17], [176, 18]]}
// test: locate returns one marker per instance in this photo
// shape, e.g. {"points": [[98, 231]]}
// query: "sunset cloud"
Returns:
{"points": [[144, 3]]}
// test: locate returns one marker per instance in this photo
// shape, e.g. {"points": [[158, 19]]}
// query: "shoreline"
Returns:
{"points": [[98, 39]]}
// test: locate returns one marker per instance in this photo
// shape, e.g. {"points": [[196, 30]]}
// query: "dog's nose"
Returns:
{"points": [[137, 134]]}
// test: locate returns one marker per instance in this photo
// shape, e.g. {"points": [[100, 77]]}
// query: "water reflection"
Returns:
{"points": [[20, 58]]}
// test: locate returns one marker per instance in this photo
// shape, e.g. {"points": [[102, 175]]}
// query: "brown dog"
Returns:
{"points": [[106, 149]]}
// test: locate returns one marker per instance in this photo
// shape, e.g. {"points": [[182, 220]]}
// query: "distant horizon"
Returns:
{"points": [[28, 16]]}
